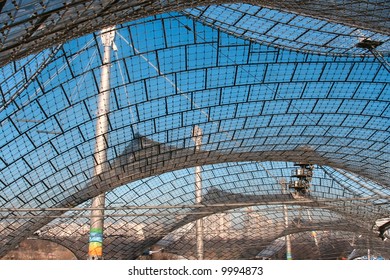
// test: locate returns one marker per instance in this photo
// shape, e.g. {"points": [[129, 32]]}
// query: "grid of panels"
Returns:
{"points": [[28, 26], [338, 204], [253, 103], [288, 30], [306, 245]]}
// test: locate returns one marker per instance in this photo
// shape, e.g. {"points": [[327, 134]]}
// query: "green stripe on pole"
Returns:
{"points": [[96, 230]]}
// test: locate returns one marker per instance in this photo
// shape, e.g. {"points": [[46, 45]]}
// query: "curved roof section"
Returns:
{"points": [[30, 26], [289, 30], [253, 103], [252, 192]]}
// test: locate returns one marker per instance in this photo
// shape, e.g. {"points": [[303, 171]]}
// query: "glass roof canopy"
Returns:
{"points": [[27, 26], [288, 30], [261, 108]]}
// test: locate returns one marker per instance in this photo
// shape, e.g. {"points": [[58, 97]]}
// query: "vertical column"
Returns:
{"points": [[197, 138], [95, 250], [287, 238], [288, 248]]}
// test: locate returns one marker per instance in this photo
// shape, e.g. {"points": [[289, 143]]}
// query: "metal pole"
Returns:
{"points": [[197, 138], [287, 238], [95, 250], [314, 235]]}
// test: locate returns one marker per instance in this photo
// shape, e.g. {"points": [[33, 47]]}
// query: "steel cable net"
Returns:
{"points": [[168, 221], [289, 30], [28, 26], [261, 109]]}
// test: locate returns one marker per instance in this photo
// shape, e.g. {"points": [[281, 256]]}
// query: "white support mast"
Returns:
{"points": [[95, 251], [287, 237], [197, 138]]}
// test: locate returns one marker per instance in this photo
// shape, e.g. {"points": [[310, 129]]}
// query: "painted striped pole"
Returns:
{"points": [[95, 250]]}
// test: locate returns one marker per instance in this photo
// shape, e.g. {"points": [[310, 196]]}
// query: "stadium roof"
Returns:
{"points": [[269, 85], [28, 25]]}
